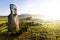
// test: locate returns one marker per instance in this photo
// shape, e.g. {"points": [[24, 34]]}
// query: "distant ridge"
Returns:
{"points": [[25, 15], [3, 16], [20, 16]]}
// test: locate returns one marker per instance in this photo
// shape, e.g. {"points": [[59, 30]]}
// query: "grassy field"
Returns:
{"points": [[31, 30]]}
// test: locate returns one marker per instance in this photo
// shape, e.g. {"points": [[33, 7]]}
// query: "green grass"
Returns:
{"points": [[3, 20], [42, 31]]}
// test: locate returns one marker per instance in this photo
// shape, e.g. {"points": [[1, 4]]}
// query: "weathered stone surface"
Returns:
{"points": [[13, 23]]}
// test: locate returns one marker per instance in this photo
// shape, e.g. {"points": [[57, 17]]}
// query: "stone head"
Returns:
{"points": [[13, 8]]}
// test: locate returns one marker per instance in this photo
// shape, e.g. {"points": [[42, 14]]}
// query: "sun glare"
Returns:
{"points": [[51, 17], [50, 9]]}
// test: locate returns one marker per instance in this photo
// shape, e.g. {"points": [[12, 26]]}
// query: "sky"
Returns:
{"points": [[48, 8]]}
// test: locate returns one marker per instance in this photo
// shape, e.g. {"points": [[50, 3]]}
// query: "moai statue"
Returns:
{"points": [[13, 23]]}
